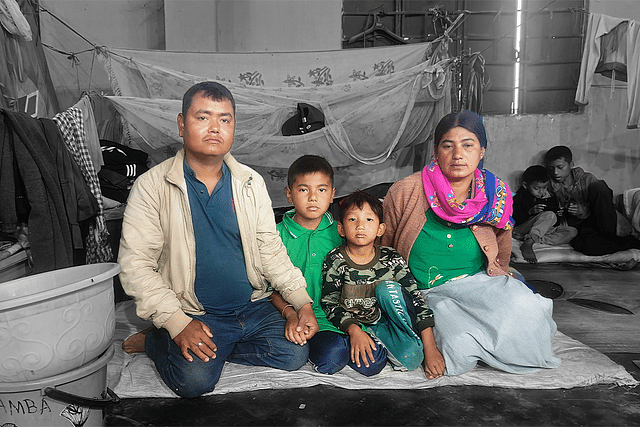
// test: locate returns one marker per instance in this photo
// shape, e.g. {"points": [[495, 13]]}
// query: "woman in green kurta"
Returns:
{"points": [[452, 223]]}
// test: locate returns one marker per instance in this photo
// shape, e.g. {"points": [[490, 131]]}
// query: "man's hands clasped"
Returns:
{"points": [[301, 325]]}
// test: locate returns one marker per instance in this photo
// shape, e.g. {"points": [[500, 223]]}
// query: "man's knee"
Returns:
{"points": [[294, 357], [194, 380]]}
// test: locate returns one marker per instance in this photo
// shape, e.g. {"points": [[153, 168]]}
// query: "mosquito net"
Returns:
{"points": [[380, 106]]}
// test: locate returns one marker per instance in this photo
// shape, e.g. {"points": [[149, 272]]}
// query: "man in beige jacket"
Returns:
{"points": [[200, 253]]}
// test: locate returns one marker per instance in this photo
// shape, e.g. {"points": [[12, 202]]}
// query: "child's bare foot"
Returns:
{"points": [[527, 251], [135, 343]]}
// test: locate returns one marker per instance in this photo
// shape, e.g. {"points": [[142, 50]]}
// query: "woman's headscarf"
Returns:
{"points": [[492, 202]]}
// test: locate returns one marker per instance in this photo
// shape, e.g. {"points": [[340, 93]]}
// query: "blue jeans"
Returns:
{"points": [[330, 352], [252, 335]]}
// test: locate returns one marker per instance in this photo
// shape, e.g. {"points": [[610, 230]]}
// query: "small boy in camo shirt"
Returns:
{"points": [[369, 292]]}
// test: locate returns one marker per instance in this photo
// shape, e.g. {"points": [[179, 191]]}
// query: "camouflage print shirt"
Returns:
{"points": [[348, 289]]}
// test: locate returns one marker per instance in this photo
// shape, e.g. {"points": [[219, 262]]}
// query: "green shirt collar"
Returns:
{"points": [[296, 230]]}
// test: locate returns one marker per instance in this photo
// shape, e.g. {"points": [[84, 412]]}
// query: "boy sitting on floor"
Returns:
{"points": [[588, 205], [309, 232], [369, 293], [536, 213]]}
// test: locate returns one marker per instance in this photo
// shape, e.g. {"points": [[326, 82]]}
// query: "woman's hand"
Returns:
{"points": [[362, 345], [434, 365]]}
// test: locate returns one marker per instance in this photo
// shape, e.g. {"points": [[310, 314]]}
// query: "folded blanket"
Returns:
{"points": [[135, 376], [631, 201]]}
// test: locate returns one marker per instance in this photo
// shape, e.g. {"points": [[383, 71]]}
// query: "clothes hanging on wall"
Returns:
{"points": [[92, 139], [71, 126], [122, 165], [22, 139], [627, 55], [474, 86], [81, 204], [613, 53], [13, 20], [25, 83]]}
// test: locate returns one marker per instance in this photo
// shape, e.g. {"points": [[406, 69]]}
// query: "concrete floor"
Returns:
{"points": [[602, 405]]}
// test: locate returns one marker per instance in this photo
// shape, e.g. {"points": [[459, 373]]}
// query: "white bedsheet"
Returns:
{"points": [[134, 376], [566, 254]]}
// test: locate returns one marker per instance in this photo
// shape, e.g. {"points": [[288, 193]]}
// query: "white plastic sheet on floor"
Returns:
{"points": [[379, 105], [135, 376]]}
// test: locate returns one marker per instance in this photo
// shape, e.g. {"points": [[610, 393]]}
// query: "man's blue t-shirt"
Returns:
{"points": [[221, 283]]}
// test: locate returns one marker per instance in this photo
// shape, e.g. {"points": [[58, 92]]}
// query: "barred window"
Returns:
{"points": [[531, 48]]}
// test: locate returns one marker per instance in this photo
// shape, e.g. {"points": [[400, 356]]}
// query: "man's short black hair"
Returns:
{"points": [[558, 152], [211, 90], [308, 164], [359, 198], [535, 173]]}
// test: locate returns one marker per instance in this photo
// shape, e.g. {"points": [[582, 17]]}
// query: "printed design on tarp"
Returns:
{"points": [[358, 75], [278, 175], [252, 78], [383, 68], [321, 76], [293, 81]]}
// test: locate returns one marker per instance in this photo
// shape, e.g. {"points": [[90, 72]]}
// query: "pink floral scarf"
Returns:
{"points": [[491, 204]]}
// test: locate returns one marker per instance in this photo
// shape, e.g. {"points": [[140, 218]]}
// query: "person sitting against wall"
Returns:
{"points": [[588, 205], [199, 249], [452, 223]]}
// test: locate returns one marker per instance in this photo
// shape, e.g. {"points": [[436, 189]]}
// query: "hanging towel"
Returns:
{"points": [[92, 138], [13, 20]]}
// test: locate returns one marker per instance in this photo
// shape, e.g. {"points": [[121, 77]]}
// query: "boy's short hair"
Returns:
{"points": [[535, 173], [309, 164], [558, 152], [359, 198], [211, 90]]}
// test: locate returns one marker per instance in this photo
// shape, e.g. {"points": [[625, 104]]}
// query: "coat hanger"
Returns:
{"points": [[378, 27]]}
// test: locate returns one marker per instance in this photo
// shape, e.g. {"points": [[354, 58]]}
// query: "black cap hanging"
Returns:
{"points": [[307, 119]]}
